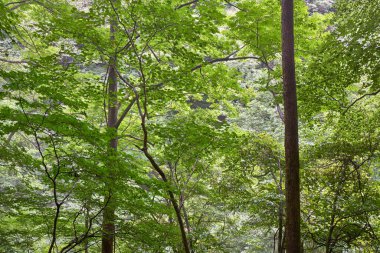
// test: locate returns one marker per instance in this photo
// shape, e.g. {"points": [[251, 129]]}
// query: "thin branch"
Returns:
{"points": [[10, 136], [143, 115], [225, 59], [125, 112], [360, 98], [105, 91], [14, 61], [57, 204], [17, 4], [234, 5], [332, 98], [278, 107], [130, 36], [135, 138], [186, 4], [76, 241], [154, 54]]}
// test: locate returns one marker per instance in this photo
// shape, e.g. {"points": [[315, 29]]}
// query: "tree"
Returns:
{"points": [[338, 97], [108, 225], [156, 126], [151, 56], [292, 184], [340, 191]]}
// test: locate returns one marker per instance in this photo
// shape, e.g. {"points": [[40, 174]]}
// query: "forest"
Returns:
{"points": [[190, 126]]}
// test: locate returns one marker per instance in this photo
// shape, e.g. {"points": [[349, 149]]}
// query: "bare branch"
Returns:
{"points": [[76, 241], [125, 112], [17, 4], [234, 5], [360, 98], [186, 4], [278, 107], [225, 59], [14, 61], [154, 54]]}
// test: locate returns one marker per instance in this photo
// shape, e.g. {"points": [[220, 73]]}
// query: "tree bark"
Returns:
{"points": [[280, 216], [108, 226], [292, 182]]}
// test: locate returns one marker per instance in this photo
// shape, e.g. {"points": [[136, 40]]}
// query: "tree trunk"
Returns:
{"points": [[292, 182], [108, 236], [280, 228], [87, 226], [280, 217], [186, 217]]}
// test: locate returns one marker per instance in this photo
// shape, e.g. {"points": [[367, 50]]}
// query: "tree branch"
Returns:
{"points": [[17, 4], [225, 59], [360, 98], [76, 241], [186, 4], [14, 61], [234, 5], [143, 115], [125, 112]]}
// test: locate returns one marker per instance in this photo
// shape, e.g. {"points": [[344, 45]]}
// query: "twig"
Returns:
{"points": [[14, 61], [73, 243], [225, 59], [125, 112], [186, 4], [360, 98], [17, 4], [234, 5]]}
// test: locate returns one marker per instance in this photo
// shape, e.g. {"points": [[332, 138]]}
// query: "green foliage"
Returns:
{"points": [[345, 69], [213, 128]]}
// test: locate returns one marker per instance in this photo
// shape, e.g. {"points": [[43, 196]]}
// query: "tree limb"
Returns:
{"points": [[186, 4], [234, 5], [125, 112], [225, 59], [14, 61], [360, 98]]}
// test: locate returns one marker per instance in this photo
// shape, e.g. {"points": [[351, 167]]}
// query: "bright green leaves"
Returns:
{"points": [[257, 25], [8, 20], [225, 169], [345, 70]]}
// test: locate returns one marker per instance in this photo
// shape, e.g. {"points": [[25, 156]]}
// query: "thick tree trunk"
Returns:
{"points": [[108, 236], [292, 182]]}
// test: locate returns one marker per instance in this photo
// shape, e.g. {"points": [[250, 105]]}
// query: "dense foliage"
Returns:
{"points": [[199, 131]]}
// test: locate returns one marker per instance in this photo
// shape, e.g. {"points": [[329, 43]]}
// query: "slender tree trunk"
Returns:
{"points": [[87, 226], [187, 222], [280, 216], [180, 223], [292, 182], [280, 228], [108, 236]]}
